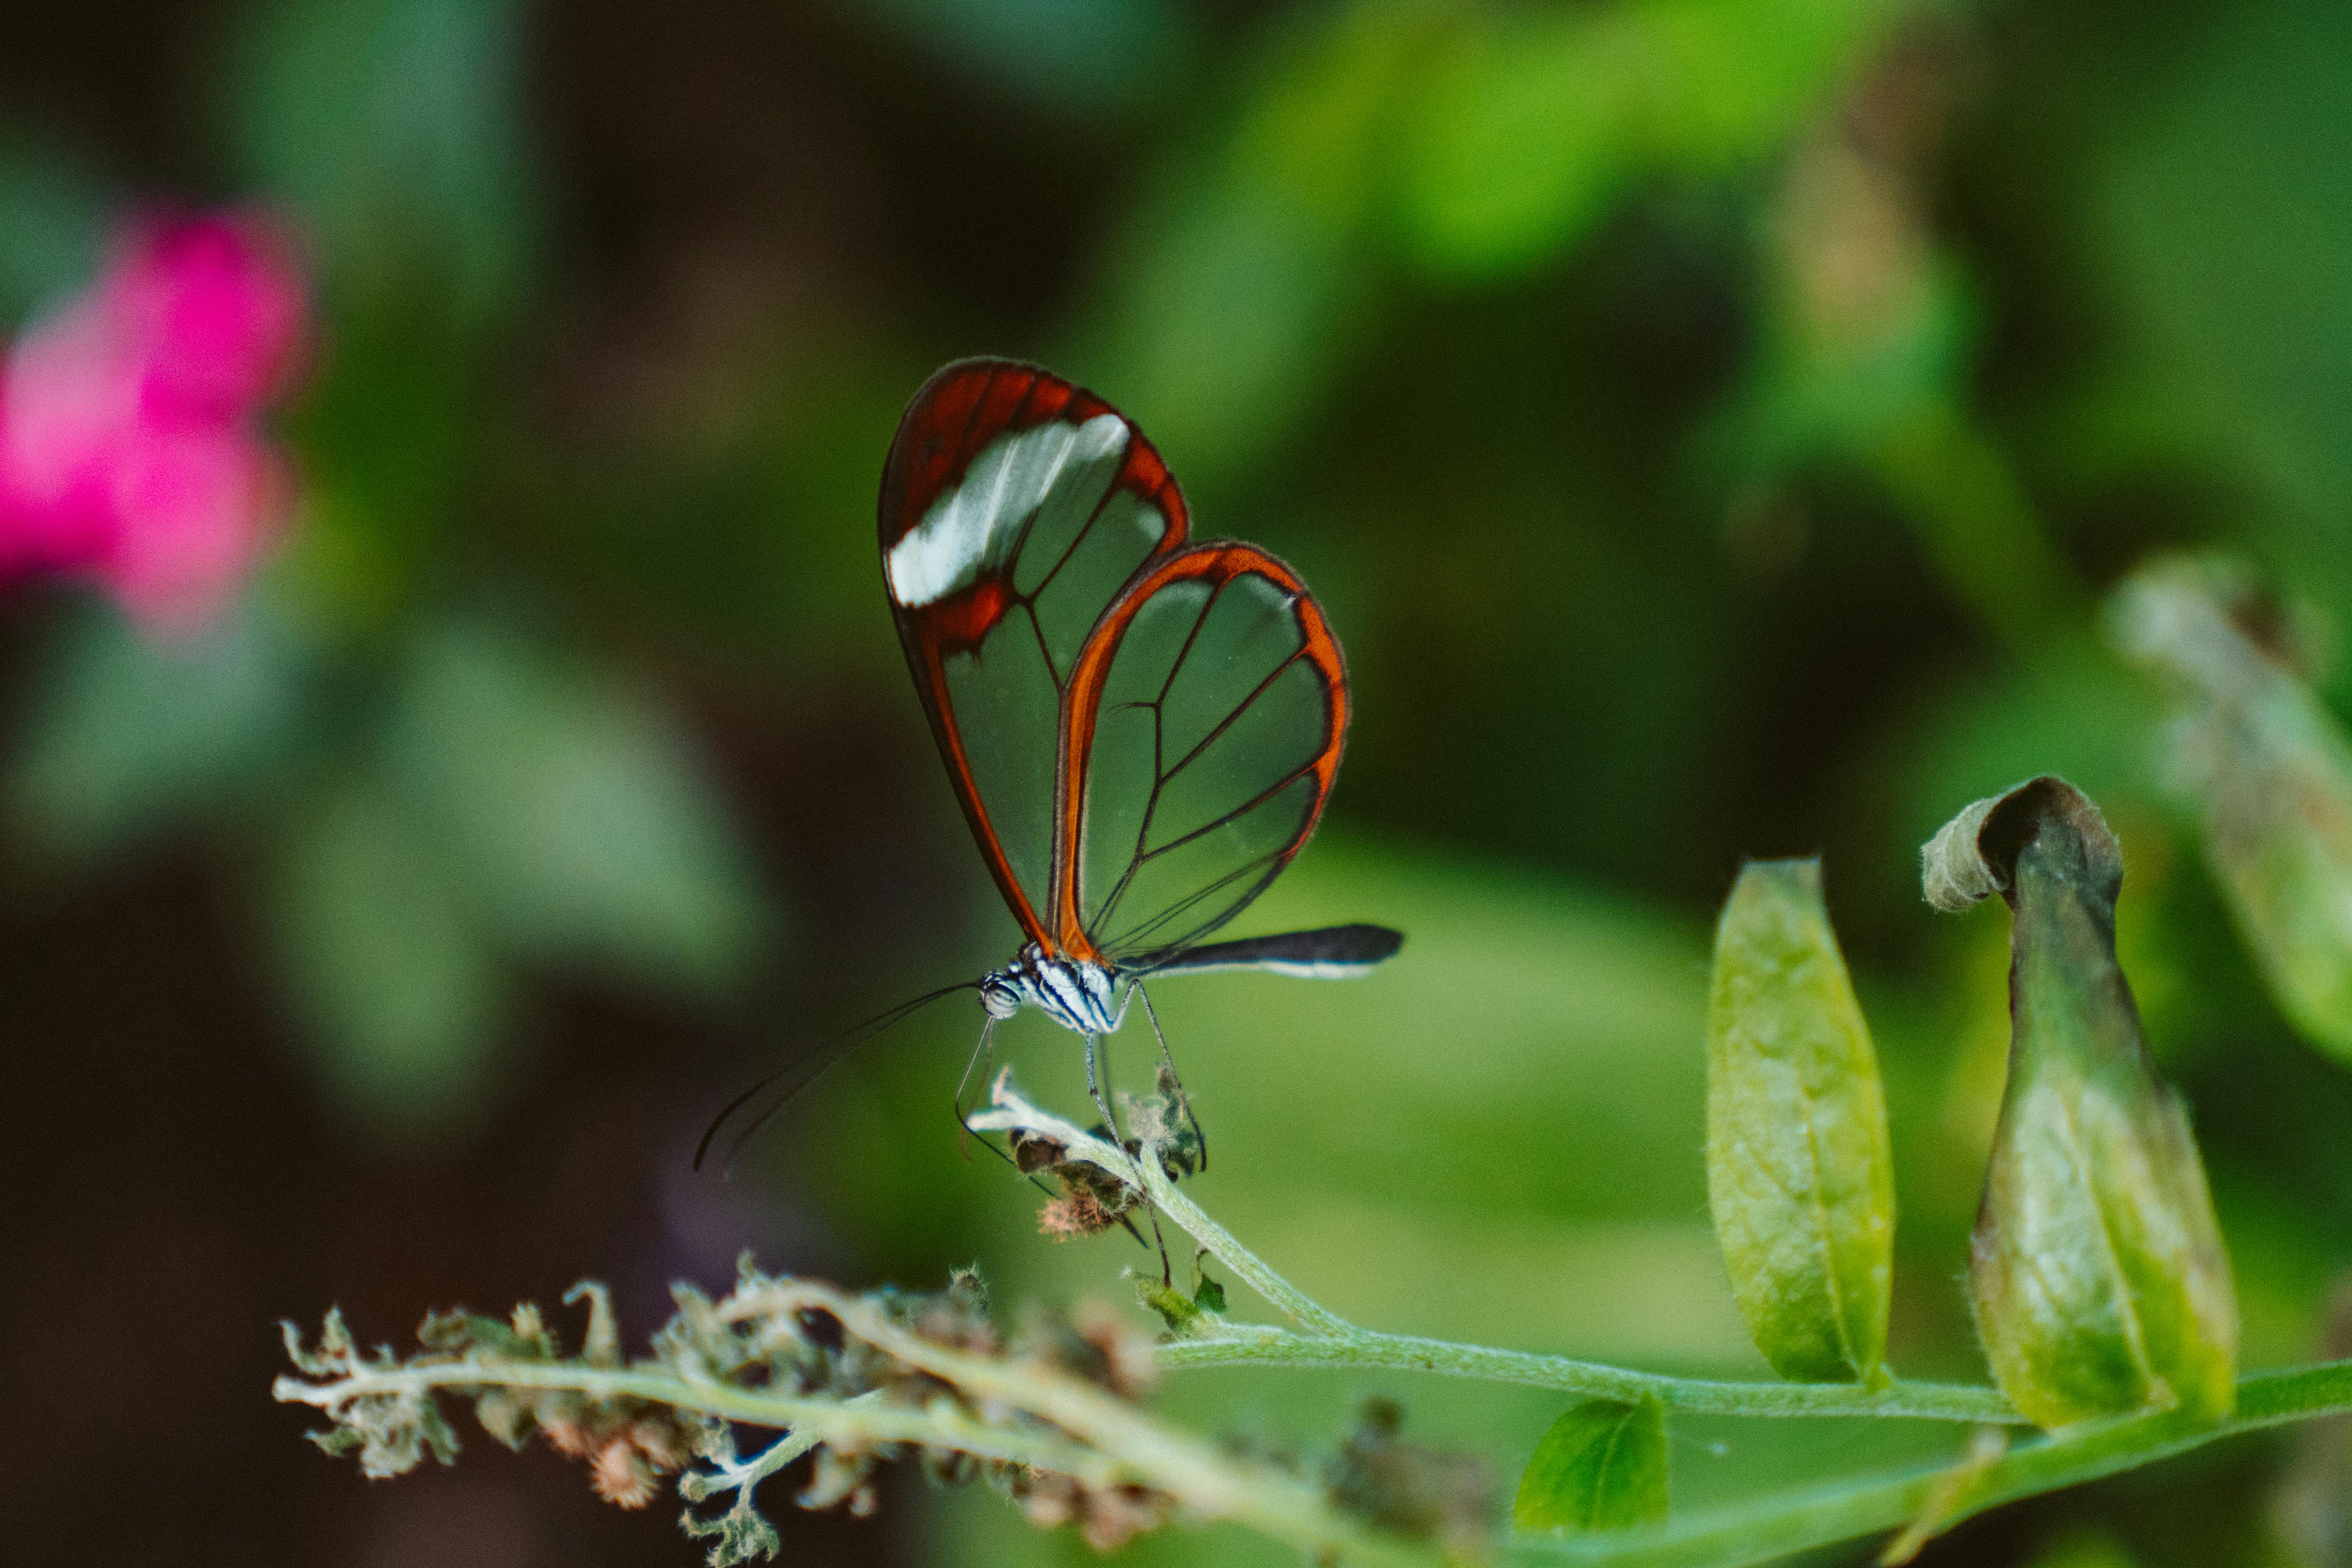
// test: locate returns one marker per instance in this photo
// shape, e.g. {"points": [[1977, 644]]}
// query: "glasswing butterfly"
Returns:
{"points": [[1141, 729]]}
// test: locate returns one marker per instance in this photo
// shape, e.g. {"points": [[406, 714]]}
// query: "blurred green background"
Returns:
{"points": [[1712, 427]]}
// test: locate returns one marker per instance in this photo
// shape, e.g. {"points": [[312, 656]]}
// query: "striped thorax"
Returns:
{"points": [[1073, 993]]}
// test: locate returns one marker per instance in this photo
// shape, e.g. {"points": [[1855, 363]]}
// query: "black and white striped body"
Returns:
{"points": [[1083, 996], [1073, 993]]}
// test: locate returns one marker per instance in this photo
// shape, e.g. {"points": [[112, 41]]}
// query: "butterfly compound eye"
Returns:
{"points": [[1000, 1000]]}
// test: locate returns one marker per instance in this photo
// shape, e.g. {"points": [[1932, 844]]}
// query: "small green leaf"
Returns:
{"points": [[2097, 1270], [1602, 1466], [603, 1345], [1800, 1175], [1175, 1308]]}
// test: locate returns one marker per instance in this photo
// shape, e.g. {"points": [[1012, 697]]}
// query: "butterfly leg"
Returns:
{"points": [[1098, 1086], [1166, 1274], [1170, 1062]]}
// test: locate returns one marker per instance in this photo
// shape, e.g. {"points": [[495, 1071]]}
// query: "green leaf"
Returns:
{"points": [[1731, 78], [2097, 1270], [1242, 287], [1602, 1466], [2272, 774], [395, 129], [572, 811], [1521, 141], [1800, 1177], [130, 736], [397, 984], [1526, 134]]}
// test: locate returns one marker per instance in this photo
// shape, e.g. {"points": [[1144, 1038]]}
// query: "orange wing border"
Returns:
{"points": [[949, 421], [1218, 562]]}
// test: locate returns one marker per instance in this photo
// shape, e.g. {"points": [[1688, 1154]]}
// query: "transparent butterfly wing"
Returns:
{"points": [[1015, 507]]}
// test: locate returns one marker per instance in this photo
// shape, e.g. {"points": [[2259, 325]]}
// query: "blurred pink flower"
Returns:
{"points": [[130, 440]]}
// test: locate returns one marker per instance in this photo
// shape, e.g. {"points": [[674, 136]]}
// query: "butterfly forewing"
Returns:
{"points": [[1014, 508], [1218, 706]]}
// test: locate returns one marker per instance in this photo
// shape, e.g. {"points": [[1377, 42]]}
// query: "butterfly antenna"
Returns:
{"points": [[980, 1053], [807, 1071]]}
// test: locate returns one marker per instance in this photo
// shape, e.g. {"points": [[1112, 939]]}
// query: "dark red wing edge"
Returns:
{"points": [[950, 421], [968, 403]]}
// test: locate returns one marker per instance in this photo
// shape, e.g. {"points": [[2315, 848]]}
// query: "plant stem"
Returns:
{"points": [[1773, 1526], [1329, 1340], [1243, 1345]]}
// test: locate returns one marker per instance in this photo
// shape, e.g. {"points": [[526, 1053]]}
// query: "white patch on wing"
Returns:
{"points": [[969, 527]]}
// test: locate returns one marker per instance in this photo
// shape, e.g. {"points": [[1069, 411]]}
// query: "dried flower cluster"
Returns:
{"points": [[856, 1368], [629, 1445]]}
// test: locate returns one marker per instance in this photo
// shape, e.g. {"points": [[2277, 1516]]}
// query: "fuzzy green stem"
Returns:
{"points": [[1245, 1345], [1771, 1527]]}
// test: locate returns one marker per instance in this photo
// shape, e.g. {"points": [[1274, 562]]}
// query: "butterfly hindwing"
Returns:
{"points": [[1206, 717], [1014, 508]]}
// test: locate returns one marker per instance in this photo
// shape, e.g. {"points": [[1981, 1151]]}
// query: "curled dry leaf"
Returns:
{"points": [[2096, 1269]]}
